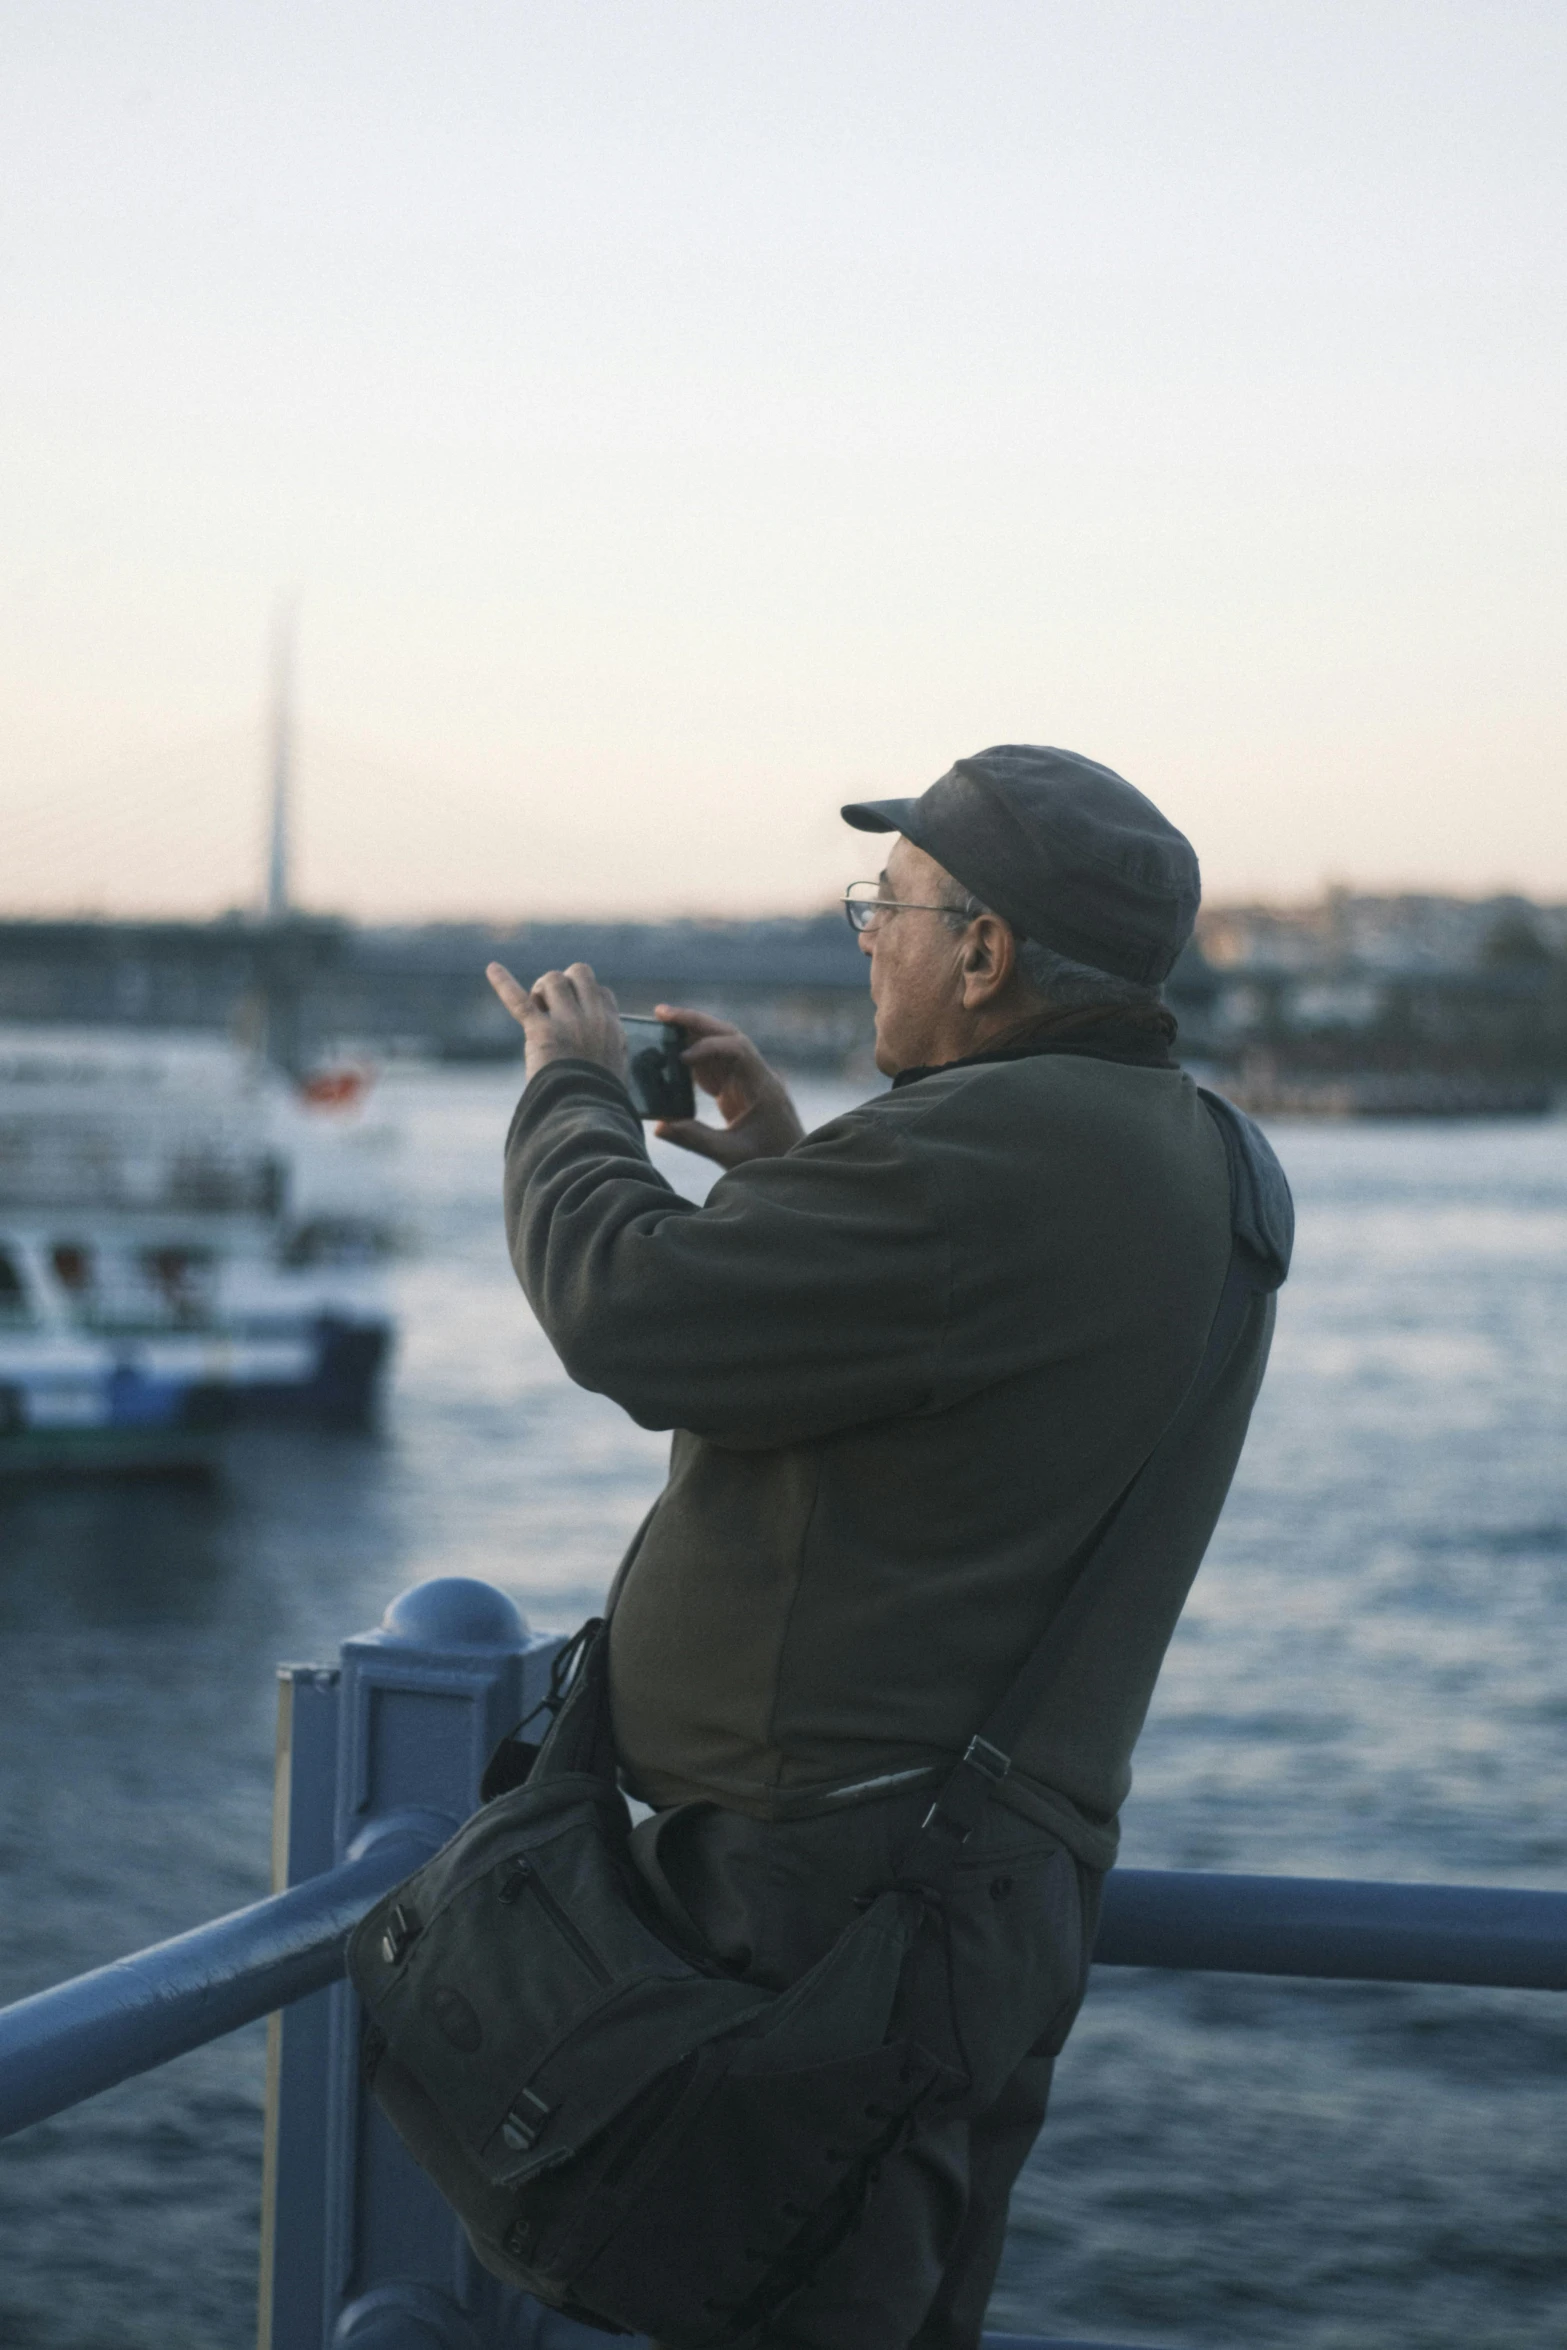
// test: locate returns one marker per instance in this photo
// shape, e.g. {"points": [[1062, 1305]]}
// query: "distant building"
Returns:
{"points": [[1404, 934]]}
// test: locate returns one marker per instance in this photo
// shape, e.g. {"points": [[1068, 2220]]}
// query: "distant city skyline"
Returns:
{"points": [[675, 420]]}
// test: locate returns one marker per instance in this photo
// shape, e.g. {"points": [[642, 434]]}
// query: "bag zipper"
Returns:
{"points": [[519, 1875]]}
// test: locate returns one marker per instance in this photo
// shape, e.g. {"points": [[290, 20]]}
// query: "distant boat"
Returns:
{"points": [[185, 1243]]}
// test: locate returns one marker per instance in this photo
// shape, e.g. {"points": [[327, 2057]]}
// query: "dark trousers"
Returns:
{"points": [[994, 1991]]}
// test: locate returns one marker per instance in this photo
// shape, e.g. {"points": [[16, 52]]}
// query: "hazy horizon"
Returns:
{"points": [[520, 917], [675, 420]]}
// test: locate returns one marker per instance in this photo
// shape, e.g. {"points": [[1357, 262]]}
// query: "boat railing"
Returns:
{"points": [[378, 1761]]}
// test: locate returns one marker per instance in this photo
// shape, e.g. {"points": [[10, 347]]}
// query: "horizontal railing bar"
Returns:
{"points": [[68, 2043], [1344, 1927]]}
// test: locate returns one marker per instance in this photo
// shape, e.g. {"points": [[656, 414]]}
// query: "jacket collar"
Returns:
{"points": [[1138, 1038]]}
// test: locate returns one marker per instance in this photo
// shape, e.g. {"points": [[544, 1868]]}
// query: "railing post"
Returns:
{"points": [[358, 2250]]}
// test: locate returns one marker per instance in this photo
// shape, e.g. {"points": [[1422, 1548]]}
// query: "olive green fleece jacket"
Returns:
{"points": [[909, 1365]]}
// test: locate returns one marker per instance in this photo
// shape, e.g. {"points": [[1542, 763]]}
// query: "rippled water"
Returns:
{"points": [[1371, 1680]]}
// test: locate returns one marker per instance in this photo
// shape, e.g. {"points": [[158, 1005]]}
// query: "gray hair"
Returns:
{"points": [[1065, 986]]}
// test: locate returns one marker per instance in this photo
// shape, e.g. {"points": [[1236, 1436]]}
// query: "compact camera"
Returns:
{"points": [[657, 1078]]}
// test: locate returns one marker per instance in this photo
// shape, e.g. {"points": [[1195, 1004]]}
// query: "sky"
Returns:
{"points": [[668, 421]]}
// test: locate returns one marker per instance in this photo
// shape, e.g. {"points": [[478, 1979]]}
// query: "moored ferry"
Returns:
{"points": [[187, 1240]]}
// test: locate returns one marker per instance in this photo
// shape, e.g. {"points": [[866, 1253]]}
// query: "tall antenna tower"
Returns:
{"points": [[281, 734]]}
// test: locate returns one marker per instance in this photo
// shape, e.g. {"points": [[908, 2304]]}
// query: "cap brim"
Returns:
{"points": [[879, 815]]}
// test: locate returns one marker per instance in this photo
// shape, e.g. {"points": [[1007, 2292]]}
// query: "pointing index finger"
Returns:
{"points": [[516, 998]]}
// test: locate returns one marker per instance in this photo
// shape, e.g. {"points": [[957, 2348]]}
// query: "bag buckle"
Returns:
{"points": [[987, 1758], [401, 1928], [524, 2125], [957, 1809]]}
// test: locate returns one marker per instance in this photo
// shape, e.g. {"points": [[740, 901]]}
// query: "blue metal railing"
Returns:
{"points": [[379, 1760], [70, 2043], [1344, 1927]]}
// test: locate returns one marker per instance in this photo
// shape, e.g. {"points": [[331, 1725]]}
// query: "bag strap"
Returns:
{"points": [[987, 1759], [514, 1758]]}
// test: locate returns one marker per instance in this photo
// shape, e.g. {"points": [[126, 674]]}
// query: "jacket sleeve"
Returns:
{"points": [[809, 1294]]}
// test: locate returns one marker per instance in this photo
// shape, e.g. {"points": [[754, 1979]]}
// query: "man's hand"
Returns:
{"points": [[760, 1121], [565, 1016]]}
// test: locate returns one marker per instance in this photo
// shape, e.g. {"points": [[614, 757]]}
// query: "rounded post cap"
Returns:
{"points": [[454, 1611], [406, 2315]]}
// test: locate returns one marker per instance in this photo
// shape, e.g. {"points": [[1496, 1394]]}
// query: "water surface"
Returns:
{"points": [[1371, 1680]]}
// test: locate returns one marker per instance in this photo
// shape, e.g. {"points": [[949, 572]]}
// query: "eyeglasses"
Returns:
{"points": [[862, 910]]}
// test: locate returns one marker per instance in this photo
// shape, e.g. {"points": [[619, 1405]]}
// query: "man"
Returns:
{"points": [[912, 1362]]}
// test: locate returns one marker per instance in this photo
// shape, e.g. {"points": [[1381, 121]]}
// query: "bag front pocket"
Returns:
{"points": [[520, 1879], [764, 2171]]}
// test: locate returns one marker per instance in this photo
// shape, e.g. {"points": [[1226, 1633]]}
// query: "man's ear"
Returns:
{"points": [[989, 960]]}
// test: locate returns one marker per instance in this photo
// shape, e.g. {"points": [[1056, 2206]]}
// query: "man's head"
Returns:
{"points": [[1029, 880]]}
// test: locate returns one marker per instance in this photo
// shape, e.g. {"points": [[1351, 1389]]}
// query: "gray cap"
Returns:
{"points": [[1065, 849]]}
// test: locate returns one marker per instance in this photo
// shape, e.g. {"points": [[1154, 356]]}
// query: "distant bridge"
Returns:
{"points": [[308, 985]]}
